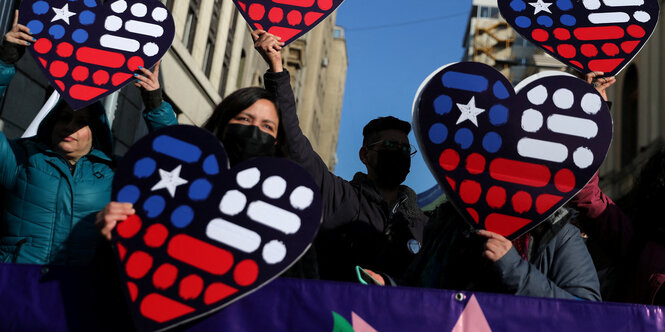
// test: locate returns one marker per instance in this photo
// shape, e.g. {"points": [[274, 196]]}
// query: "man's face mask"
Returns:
{"points": [[393, 163], [243, 142]]}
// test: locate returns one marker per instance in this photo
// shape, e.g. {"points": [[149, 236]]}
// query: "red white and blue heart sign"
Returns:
{"points": [[588, 35], [507, 160], [205, 235], [288, 19], [88, 50]]}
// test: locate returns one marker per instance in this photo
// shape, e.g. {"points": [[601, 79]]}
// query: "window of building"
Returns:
{"points": [[227, 53], [629, 112], [488, 12], [209, 53], [168, 4], [190, 24]]}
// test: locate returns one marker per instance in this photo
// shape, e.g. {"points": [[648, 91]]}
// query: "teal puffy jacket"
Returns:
{"points": [[49, 213]]}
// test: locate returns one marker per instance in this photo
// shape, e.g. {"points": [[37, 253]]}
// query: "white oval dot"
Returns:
{"points": [[591, 4], [591, 103], [274, 252], [233, 202], [642, 16], [119, 6], [532, 120], [301, 198], [150, 49], [113, 23], [274, 187], [537, 95], [248, 178], [583, 157], [160, 14], [563, 99], [139, 10]]}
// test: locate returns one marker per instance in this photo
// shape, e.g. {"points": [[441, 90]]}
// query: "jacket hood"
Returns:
{"points": [[102, 138]]}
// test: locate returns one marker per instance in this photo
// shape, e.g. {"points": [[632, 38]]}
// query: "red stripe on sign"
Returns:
{"points": [[94, 56], [311, 17], [599, 33], [162, 309], [545, 202], [200, 254], [629, 46], [285, 33], [605, 65], [217, 291], [519, 172], [299, 3], [503, 224], [85, 93]]}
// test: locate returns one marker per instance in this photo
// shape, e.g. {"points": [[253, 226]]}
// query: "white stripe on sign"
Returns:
{"points": [[542, 150], [591, 4], [613, 17], [574, 126], [272, 216], [623, 3], [143, 28], [119, 43], [233, 235]]}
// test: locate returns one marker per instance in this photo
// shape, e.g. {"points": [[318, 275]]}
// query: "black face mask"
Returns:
{"points": [[391, 168], [243, 142]]}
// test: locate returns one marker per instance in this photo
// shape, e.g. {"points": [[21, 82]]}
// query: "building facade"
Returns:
{"points": [[212, 56]]}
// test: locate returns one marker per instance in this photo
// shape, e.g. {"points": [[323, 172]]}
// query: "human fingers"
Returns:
{"points": [[147, 73], [156, 70], [486, 233], [15, 18]]}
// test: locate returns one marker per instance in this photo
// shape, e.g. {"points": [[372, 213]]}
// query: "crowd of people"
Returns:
{"points": [[57, 210]]}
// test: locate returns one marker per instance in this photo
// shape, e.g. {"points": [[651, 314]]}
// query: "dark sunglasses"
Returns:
{"points": [[387, 144]]}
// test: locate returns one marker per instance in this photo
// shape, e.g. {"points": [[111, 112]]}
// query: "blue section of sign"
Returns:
{"points": [[182, 216], [199, 190], [523, 21], [545, 21], [153, 206], [87, 17], [35, 26], [129, 194], [144, 167], [176, 148], [211, 165], [438, 133], [498, 115], [568, 20], [443, 104], [40, 7], [80, 36], [57, 31], [464, 137], [463, 81], [90, 3], [564, 4], [500, 90], [518, 5], [492, 142]]}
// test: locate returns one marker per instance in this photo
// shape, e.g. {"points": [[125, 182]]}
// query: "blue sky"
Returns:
{"points": [[392, 47]]}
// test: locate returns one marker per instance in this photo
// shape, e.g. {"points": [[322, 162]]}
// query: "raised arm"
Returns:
{"points": [[336, 192], [158, 113]]}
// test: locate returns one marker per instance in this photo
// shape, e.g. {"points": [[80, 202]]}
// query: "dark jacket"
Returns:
{"points": [[558, 264], [631, 256], [49, 211], [359, 227]]}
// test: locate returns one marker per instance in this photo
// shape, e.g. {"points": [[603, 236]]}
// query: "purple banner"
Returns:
{"points": [[62, 299]]}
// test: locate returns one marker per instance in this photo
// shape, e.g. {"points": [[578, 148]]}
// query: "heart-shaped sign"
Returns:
{"points": [[88, 50], [588, 35], [288, 19], [204, 235], [508, 160]]}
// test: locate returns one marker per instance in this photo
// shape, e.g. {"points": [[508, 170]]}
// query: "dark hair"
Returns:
{"points": [[237, 102], [373, 128]]}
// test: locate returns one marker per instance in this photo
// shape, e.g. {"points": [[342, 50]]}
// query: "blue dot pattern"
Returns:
{"points": [[518, 5], [144, 167], [500, 90], [564, 4], [545, 21], [443, 104], [57, 31], [199, 190], [568, 20], [438, 133], [80, 36], [129, 194], [523, 21], [182, 216], [492, 142], [35, 26], [464, 137], [154, 206], [90, 3], [40, 7], [498, 115], [211, 165], [87, 17]]}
